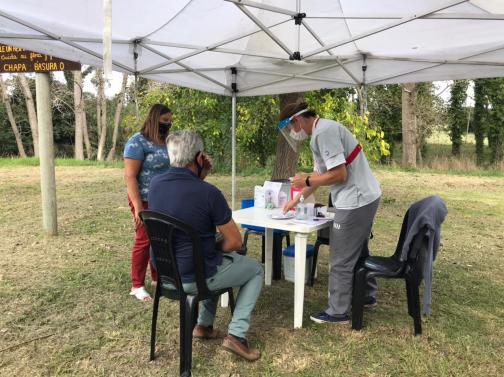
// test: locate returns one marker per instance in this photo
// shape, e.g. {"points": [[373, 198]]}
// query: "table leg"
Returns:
{"points": [[268, 255], [301, 240]]}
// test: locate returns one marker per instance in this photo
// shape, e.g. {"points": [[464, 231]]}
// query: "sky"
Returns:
{"points": [[110, 90]]}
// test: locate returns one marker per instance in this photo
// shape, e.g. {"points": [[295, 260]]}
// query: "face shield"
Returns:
{"points": [[293, 138]]}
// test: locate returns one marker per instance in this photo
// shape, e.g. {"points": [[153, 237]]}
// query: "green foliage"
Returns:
{"points": [[208, 114], [489, 118], [385, 109], [457, 113], [335, 105], [256, 132], [479, 118], [431, 113], [494, 89], [384, 105]]}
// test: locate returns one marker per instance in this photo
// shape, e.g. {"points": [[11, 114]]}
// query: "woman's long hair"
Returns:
{"points": [[150, 128]]}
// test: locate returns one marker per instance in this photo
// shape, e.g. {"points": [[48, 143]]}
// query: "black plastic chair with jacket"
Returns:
{"points": [[412, 261], [161, 229]]}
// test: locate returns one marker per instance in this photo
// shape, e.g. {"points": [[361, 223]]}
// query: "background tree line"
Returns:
{"points": [[91, 126]]}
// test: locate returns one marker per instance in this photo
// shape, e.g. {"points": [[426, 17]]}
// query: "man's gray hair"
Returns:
{"points": [[182, 147]]}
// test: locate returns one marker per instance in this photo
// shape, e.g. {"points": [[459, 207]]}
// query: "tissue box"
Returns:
{"points": [[259, 200], [276, 194]]}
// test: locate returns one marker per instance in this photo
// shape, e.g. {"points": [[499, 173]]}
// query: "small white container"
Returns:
{"points": [[288, 263]]}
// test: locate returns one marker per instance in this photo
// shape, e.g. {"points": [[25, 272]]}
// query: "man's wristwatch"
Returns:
{"points": [[307, 181]]}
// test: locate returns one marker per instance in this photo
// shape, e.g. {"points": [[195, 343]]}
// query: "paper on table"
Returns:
{"points": [[312, 221]]}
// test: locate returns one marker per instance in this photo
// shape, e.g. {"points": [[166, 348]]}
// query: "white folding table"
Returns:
{"points": [[262, 217]]}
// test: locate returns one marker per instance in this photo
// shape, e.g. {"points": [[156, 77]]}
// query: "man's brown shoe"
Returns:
{"points": [[206, 332], [244, 350]]}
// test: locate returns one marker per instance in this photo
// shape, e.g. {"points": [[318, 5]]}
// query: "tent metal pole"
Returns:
{"points": [[135, 92], [233, 139], [233, 151], [363, 107], [298, 24], [266, 30], [377, 81], [489, 50], [107, 40], [195, 71], [314, 35], [225, 297], [461, 61], [46, 145], [402, 21], [303, 76], [243, 90], [59, 39], [433, 16], [202, 49], [254, 4]]}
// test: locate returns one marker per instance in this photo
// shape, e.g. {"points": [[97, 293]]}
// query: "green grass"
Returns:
{"points": [[66, 308], [34, 161]]}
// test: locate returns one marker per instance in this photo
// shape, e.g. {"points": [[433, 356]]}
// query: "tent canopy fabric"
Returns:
{"points": [[274, 46]]}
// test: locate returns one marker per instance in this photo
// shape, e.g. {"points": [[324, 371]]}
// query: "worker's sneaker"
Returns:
{"points": [[323, 317], [241, 347], [370, 302], [206, 332]]}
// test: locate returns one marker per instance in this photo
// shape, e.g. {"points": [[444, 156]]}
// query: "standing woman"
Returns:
{"points": [[145, 156], [339, 163]]}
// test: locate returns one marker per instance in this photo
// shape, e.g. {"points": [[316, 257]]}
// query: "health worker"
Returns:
{"points": [[340, 164]]}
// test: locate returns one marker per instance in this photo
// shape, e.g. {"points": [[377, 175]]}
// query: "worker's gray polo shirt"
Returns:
{"points": [[331, 143]]}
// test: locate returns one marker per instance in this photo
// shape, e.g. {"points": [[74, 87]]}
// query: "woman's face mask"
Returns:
{"points": [[164, 127]]}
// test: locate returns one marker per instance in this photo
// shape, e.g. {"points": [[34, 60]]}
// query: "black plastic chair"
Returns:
{"points": [[322, 239], [161, 229], [411, 270]]}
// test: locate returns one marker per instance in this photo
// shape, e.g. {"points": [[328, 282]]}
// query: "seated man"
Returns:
{"points": [[182, 193]]}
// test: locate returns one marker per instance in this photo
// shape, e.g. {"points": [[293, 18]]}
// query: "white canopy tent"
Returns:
{"points": [[246, 48], [276, 46]]}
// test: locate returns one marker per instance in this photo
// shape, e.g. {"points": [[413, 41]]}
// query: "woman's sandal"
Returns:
{"points": [[141, 294]]}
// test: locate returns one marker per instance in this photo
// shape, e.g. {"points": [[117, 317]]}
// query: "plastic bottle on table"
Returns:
{"points": [[301, 209]]}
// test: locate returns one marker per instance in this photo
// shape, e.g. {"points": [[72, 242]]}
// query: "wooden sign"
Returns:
{"points": [[15, 60]]}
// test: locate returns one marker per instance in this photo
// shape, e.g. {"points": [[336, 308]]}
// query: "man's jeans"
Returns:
{"points": [[235, 271]]}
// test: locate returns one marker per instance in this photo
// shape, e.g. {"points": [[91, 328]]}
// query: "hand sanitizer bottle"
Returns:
{"points": [[301, 210]]}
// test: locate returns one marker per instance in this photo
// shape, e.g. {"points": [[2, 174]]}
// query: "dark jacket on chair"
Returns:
{"points": [[429, 212]]}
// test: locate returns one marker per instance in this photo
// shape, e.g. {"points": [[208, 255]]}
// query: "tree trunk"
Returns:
{"points": [[457, 112], [102, 107], [479, 119], [362, 98], [286, 159], [15, 130], [79, 110], [409, 125], [99, 93], [89, 150], [32, 113], [117, 117]]}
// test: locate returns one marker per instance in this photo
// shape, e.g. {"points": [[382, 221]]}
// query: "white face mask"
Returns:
{"points": [[298, 136]]}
